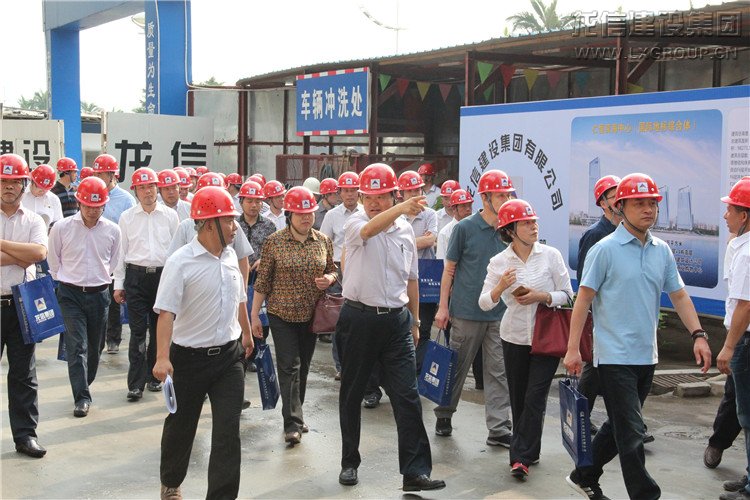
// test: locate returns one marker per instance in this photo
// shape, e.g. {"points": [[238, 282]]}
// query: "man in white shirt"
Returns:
{"points": [[378, 324], [445, 213], [202, 313], [234, 183], [736, 351], [38, 197], [169, 189], [83, 252], [147, 230], [185, 184], [23, 242], [274, 192], [461, 203]]}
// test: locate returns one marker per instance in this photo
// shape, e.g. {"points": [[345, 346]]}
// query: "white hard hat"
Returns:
{"points": [[312, 184]]}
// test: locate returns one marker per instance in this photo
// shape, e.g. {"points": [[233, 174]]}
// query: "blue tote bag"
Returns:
{"points": [[438, 372], [575, 423], [269, 384], [38, 310], [430, 275]]}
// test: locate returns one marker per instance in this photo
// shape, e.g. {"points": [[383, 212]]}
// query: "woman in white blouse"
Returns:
{"points": [[524, 275]]}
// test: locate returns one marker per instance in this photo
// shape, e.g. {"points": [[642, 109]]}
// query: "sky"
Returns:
{"points": [[237, 39]]}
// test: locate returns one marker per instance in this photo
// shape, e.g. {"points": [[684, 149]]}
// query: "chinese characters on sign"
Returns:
{"points": [[658, 24], [34, 151], [333, 103], [529, 149], [152, 59], [37, 141]]}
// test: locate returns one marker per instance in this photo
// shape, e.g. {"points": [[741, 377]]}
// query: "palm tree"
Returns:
{"points": [[39, 102], [543, 19], [89, 107]]}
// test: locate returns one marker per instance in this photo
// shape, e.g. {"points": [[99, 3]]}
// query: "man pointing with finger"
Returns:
{"points": [[378, 323], [623, 277]]}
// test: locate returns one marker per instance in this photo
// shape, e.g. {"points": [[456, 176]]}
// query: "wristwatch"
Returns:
{"points": [[417, 323], [698, 334]]}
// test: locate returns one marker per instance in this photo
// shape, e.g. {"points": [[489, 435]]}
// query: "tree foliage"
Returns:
{"points": [[38, 102], [543, 19]]}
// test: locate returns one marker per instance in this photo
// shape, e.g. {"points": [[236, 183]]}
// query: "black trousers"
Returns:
{"points": [[140, 292], [114, 327], [426, 317], [23, 402], [589, 384], [726, 425], [529, 379], [222, 378], [363, 338]]}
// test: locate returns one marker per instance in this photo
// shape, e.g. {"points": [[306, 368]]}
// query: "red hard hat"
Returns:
{"points": [[495, 181], [184, 177], [43, 176], [258, 178], [167, 177], [348, 180], [448, 187], [605, 184], [426, 169], [86, 172], [66, 164], [637, 186], [251, 189], [143, 176], [210, 202], [740, 193], [210, 179], [328, 186], [13, 167], [377, 178], [234, 178], [192, 172], [106, 163], [459, 197], [515, 211], [201, 170], [300, 200], [262, 178], [92, 192], [409, 181], [273, 189]]}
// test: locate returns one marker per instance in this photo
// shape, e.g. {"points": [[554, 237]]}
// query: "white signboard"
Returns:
{"points": [[157, 141], [38, 141], [694, 144]]}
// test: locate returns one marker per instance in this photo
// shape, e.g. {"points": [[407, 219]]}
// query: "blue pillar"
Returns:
{"points": [[168, 56], [65, 87]]}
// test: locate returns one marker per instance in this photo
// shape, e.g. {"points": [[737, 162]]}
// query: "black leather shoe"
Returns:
{"points": [[31, 447], [135, 395], [81, 409], [348, 476], [712, 457], [371, 401], [443, 427], [154, 386], [648, 438], [422, 482]]}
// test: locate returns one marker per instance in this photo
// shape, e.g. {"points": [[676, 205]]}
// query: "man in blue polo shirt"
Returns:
{"points": [[624, 276], [471, 246]]}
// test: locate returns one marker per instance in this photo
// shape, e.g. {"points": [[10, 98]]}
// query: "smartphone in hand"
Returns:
{"points": [[521, 290]]}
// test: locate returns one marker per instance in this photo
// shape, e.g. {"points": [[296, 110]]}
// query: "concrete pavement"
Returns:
{"points": [[114, 452]]}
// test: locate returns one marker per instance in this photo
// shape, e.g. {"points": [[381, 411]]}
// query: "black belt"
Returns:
{"points": [[147, 270], [207, 351], [6, 300], [87, 289], [375, 309]]}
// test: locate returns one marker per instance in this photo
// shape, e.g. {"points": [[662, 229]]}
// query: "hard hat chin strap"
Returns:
{"points": [[514, 233], [222, 241], [621, 213]]}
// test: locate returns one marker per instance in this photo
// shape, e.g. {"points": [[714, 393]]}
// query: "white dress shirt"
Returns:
{"points": [[278, 220], [432, 195], [421, 223], [182, 208], [205, 293], [543, 271], [377, 270], [443, 219], [737, 274], [145, 238], [186, 232], [333, 227], [83, 256], [47, 206], [444, 236], [24, 226]]}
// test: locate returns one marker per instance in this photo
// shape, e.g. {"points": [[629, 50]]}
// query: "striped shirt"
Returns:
{"points": [[68, 201]]}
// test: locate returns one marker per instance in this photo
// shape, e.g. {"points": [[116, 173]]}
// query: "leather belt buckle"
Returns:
{"points": [[151, 270], [385, 310], [213, 351]]}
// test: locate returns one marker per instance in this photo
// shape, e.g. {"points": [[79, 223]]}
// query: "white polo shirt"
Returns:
{"points": [[333, 227], [24, 226], [377, 270], [278, 220], [737, 274], [205, 293], [182, 208], [47, 206]]}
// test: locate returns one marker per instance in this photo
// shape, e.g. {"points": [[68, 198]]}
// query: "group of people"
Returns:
{"points": [[184, 252]]}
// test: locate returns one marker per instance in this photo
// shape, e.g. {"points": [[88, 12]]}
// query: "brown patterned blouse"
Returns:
{"points": [[288, 270]]}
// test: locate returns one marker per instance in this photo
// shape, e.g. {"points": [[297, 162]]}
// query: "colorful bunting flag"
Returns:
{"points": [[445, 89], [488, 94], [423, 88], [553, 78], [384, 79], [507, 70], [531, 75], [582, 79], [634, 89], [484, 70], [402, 84]]}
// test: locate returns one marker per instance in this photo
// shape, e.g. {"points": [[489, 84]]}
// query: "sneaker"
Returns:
{"points": [[503, 441], [153, 386], [168, 493], [735, 495], [594, 492], [736, 485], [519, 471], [113, 347], [443, 427]]}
